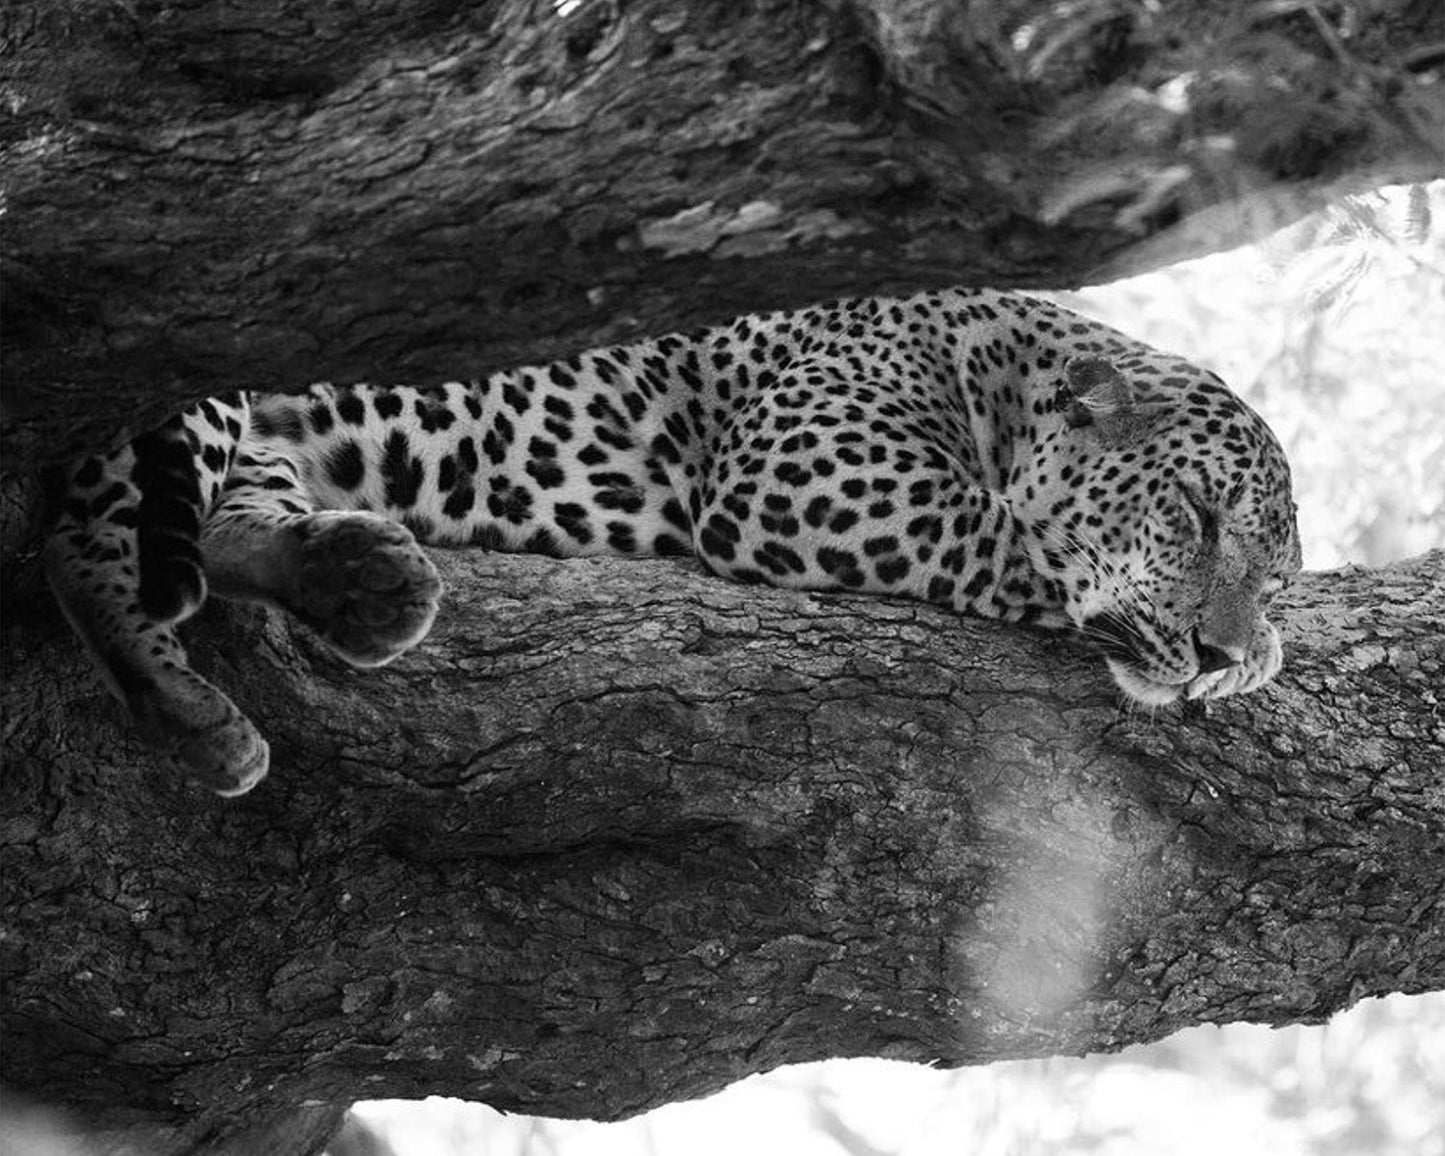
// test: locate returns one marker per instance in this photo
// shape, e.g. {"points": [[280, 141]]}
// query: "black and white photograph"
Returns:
{"points": [[690, 577]]}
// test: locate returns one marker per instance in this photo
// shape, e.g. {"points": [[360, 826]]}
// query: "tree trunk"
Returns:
{"points": [[591, 850], [265, 194]]}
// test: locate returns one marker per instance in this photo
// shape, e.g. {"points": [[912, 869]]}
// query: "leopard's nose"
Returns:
{"points": [[1212, 658]]}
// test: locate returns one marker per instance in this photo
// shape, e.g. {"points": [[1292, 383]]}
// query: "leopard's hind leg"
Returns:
{"points": [[124, 561]]}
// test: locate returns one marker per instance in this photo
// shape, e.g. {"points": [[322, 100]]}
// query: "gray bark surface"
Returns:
{"points": [[620, 833]]}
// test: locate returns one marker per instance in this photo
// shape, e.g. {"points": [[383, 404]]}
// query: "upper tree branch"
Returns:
{"points": [[203, 196]]}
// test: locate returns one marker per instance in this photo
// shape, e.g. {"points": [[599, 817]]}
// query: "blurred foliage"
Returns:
{"points": [[1335, 332], [1216, 102]]}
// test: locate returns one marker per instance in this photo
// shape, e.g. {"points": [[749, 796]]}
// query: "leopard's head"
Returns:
{"points": [[1161, 506]]}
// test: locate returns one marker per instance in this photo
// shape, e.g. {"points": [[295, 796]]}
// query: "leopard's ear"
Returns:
{"points": [[1096, 396]]}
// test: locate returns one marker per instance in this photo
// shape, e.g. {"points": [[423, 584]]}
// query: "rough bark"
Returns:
{"points": [[202, 195], [592, 850]]}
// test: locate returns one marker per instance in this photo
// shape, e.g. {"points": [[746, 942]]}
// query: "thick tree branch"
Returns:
{"points": [[620, 833], [202, 196]]}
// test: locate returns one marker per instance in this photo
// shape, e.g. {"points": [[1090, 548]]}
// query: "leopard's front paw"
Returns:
{"points": [[363, 584], [201, 731]]}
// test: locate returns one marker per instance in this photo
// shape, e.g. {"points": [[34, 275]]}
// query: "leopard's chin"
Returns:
{"points": [[1144, 690], [1259, 667]]}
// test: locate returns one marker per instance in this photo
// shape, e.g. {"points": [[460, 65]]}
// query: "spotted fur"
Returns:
{"points": [[983, 450]]}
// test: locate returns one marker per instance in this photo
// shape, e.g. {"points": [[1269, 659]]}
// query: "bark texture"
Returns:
{"points": [[621, 833], [263, 194]]}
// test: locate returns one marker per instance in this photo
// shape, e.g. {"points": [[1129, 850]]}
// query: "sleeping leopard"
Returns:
{"points": [[983, 450]]}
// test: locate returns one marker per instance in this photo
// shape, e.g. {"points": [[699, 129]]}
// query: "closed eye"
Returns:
{"points": [[1204, 517]]}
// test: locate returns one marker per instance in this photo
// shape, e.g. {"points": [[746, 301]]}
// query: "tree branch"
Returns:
{"points": [[619, 834]]}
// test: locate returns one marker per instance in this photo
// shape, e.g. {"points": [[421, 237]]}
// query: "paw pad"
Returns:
{"points": [[364, 585]]}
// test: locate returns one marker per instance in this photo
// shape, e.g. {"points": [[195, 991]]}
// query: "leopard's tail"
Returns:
{"points": [[168, 535]]}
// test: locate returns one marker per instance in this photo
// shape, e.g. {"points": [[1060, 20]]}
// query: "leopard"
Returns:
{"points": [[985, 450]]}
